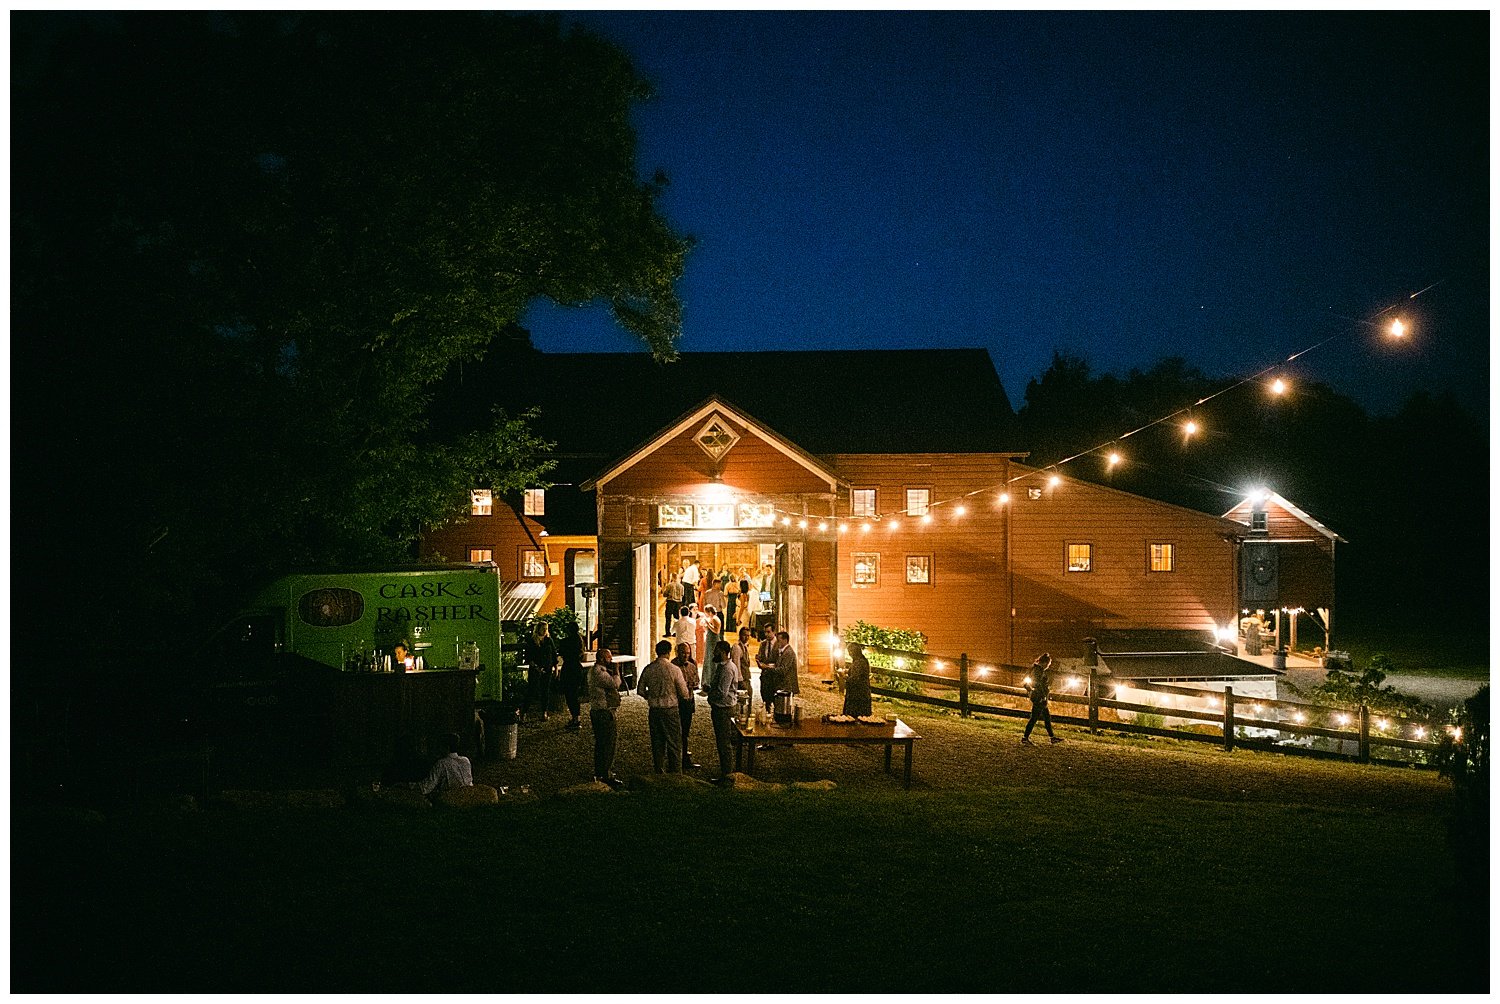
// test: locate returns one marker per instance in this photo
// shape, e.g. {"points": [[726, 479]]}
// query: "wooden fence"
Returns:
{"points": [[1222, 723]]}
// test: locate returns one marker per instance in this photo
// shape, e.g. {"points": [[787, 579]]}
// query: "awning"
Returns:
{"points": [[520, 601]]}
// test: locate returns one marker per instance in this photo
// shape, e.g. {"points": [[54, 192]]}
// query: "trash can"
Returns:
{"points": [[504, 729]]}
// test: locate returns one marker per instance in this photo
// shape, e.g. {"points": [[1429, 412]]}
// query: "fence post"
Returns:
{"points": [[1228, 719], [963, 685], [1364, 734], [1094, 699]]}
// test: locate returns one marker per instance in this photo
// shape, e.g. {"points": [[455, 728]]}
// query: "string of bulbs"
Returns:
{"points": [[1397, 329]]}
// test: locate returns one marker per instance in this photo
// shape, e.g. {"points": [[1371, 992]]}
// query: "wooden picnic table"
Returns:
{"points": [[815, 730]]}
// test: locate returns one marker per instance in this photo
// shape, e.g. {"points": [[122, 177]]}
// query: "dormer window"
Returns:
{"points": [[481, 502], [534, 502], [1258, 520]]}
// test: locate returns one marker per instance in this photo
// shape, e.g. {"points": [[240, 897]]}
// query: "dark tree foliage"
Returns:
{"points": [[1409, 492], [246, 247]]}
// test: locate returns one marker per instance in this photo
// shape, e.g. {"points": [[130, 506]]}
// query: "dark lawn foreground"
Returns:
{"points": [[700, 889]]}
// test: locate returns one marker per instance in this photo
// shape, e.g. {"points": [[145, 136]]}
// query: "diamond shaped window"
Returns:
{"points": [[717, 437]]}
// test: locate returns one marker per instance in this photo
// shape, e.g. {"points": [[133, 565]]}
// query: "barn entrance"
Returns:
{"points": [[751, 576]]}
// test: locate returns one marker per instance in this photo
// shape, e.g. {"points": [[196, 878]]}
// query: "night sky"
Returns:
{"points": [[1229, 188]]}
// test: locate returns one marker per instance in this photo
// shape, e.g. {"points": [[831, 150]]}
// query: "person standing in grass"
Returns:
{"points": [[857, 686], [604, 705], [766, 660], [723, 683], [1040, 684], [684, 662], [664, 689]]}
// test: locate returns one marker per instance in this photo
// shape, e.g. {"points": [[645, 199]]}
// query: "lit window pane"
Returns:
{"points": [[481, 502], [477, 554], [1162, 557], [1080, 557], [862, 502], [866, 569], [535, 502], [917, 500]]}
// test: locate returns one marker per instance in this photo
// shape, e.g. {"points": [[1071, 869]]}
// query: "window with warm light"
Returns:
{"points": [[917, 500], [866, 568], [1163, 557], [533, 564], [919, 569], [535, 502], [862, 502], [479, 554], [1080, 557], [1033, 494], [674, 517], [715, 516], [756, 514], [481, 502]]}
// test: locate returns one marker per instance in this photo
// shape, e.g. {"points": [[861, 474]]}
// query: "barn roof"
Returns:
{"points": [[603, 404]]}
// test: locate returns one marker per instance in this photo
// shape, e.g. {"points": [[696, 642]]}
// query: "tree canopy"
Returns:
{"points": [[246, 248]]}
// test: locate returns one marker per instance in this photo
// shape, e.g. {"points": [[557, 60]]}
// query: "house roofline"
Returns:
{"points": [[711, 404]]}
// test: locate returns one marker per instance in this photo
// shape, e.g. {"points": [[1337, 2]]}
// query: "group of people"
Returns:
{"points": [[733, 596], [671, 683], [543, 653]]}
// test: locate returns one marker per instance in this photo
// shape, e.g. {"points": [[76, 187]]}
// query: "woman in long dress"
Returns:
{"points": [[857, 687]]}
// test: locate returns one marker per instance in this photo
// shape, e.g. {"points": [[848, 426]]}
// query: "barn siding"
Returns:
{"points": [[1057, 609], [965, 607]]}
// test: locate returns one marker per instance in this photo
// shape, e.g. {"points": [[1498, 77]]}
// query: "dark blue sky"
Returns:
{"points": [[1122, 186]]}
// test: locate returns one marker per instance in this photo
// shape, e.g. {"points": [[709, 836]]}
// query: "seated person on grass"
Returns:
{"points": [[452, 771]]}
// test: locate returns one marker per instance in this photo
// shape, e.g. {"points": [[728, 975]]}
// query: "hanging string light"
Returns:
{"points": [[1278, 386]]}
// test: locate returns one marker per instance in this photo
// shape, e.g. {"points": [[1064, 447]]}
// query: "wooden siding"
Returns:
{"points": [[503, 533], [680, 467], [965, 607], [1056, 609], [1304, 575]]}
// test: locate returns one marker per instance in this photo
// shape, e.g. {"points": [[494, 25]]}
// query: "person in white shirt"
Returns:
{"points": [[685, 631], [690, 576], [664, 688], [452, 771]]}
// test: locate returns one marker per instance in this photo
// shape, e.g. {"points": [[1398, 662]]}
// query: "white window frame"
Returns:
{"points": [[1170, 554], [921, 508], [481, 502], [1068, 557], [856, 510], [534, 502], [873, 563]]}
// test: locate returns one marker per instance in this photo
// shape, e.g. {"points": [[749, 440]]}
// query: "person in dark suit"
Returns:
{"points": [[1040, 684]]}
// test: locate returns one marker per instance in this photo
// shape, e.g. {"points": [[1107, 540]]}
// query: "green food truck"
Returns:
{"points": [[319, 651]]}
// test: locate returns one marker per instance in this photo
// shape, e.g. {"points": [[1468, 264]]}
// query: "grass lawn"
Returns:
{"points": [[1431, 651], [699, 889]]}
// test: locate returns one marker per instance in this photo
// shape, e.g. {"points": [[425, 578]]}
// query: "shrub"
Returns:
{"points": [[899, 639]]}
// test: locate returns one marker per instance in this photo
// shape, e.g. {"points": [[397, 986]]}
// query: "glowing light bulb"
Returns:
{"points": [[1054, 481], [864, 528], [786, 521], [822, 527], [843, 528], [1114, 459], [894, 523], [802, 524], [1190, 428], [927, 519], [1278, 386], [1421, 733], [1004, 498], [1397, 329], [959, 511]]}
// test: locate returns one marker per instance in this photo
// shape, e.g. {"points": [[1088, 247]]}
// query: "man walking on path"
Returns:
{"points": [[663, 687], [1041, 685]]}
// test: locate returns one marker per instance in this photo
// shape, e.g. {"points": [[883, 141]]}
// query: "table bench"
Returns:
{"points": [[890, 734]]}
